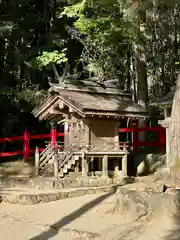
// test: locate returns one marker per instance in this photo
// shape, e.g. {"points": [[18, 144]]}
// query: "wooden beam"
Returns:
{"points": [[55, 112], [116, 167], [105, 166], [46, 113], [124, 165], [61, 104], [84, 166], [71, 110]]}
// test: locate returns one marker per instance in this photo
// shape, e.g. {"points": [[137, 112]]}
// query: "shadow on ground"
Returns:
{"points": [[53, 230], [174, 234]]}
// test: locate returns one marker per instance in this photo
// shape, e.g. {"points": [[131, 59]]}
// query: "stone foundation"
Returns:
{"points": [[65, 183], [34, 197]]}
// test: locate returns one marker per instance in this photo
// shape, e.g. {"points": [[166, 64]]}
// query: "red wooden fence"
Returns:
{"points": [[161, 142], [27, 138]]}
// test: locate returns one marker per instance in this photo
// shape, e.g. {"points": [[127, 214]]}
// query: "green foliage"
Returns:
{"points": [[104, 36], [6, 27], [107, 31], [47, 58]]}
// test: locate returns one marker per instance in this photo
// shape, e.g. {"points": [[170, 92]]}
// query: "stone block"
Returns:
{"points": [[91, 191], [104, 181], [93, 182]]}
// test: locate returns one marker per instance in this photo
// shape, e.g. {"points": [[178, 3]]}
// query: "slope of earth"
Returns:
{"points": [[83, 218]]}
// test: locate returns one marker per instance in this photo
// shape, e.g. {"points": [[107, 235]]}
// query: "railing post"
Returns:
{"points": [[161, 138], [37, 161], [55, 162], [134, 138], [105, 166], [134, 134], [124, 165], [26, 145], [53, 136]]}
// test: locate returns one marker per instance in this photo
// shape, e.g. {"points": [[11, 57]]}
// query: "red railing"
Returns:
{"points": [[27, 138], [161, 141]]}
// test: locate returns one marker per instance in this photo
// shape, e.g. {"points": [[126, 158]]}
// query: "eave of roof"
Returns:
{"points": [[86, 101]]}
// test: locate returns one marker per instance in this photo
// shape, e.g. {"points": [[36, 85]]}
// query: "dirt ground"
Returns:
{"points": [[82, 218]]}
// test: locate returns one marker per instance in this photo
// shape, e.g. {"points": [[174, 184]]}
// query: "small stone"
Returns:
{"points": [[91, 191], [44, 198], [160, 187], [58, 184], [82, 181], [62, 195], [66, 183], [72, 194], [81, 192], [93, 182], [104, 181], [28, 199]]}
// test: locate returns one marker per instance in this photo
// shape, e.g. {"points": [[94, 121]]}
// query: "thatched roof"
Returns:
{"points": [[92, 98], [166, 100]]}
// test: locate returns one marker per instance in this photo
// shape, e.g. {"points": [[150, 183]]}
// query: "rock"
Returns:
{"points": [[149, 163], [162, 204], [130, 205], [93, 182], [154, 162], [163, 174], [141, 168], [66, 183], [104, 181], [133, 205], [159, 187], [82, 181], [58, 184], [123, 180]]}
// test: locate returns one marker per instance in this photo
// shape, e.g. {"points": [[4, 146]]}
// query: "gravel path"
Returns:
{"points": [[82, 218]]}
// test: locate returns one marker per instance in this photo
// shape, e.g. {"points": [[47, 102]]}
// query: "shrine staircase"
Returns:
{"points": [[65, 160], [62, 162]]}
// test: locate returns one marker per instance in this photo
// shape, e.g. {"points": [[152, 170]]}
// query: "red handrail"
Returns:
{"points": [[27, 138], [53, 136]]}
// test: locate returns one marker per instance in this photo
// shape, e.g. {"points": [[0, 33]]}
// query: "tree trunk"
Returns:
{"points": [[141, 66], [142, 85], [174, 133]]}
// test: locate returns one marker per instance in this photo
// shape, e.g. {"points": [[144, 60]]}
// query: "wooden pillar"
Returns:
{"points": [[84, 166], [77, 163], [134, 138], [55, 163], [161, 138], [124, 165], [53, 135], [92, 165], [116, 167], [167, 148], [26, 145], [105, 166], [37, 162], [99, 163]]}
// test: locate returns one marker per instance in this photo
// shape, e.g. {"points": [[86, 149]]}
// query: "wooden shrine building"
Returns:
{"points": [[91, 113]]}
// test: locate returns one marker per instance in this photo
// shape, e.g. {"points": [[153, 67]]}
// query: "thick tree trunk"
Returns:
{"points": [[141, 65], [142, 86], [174, 133]]}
